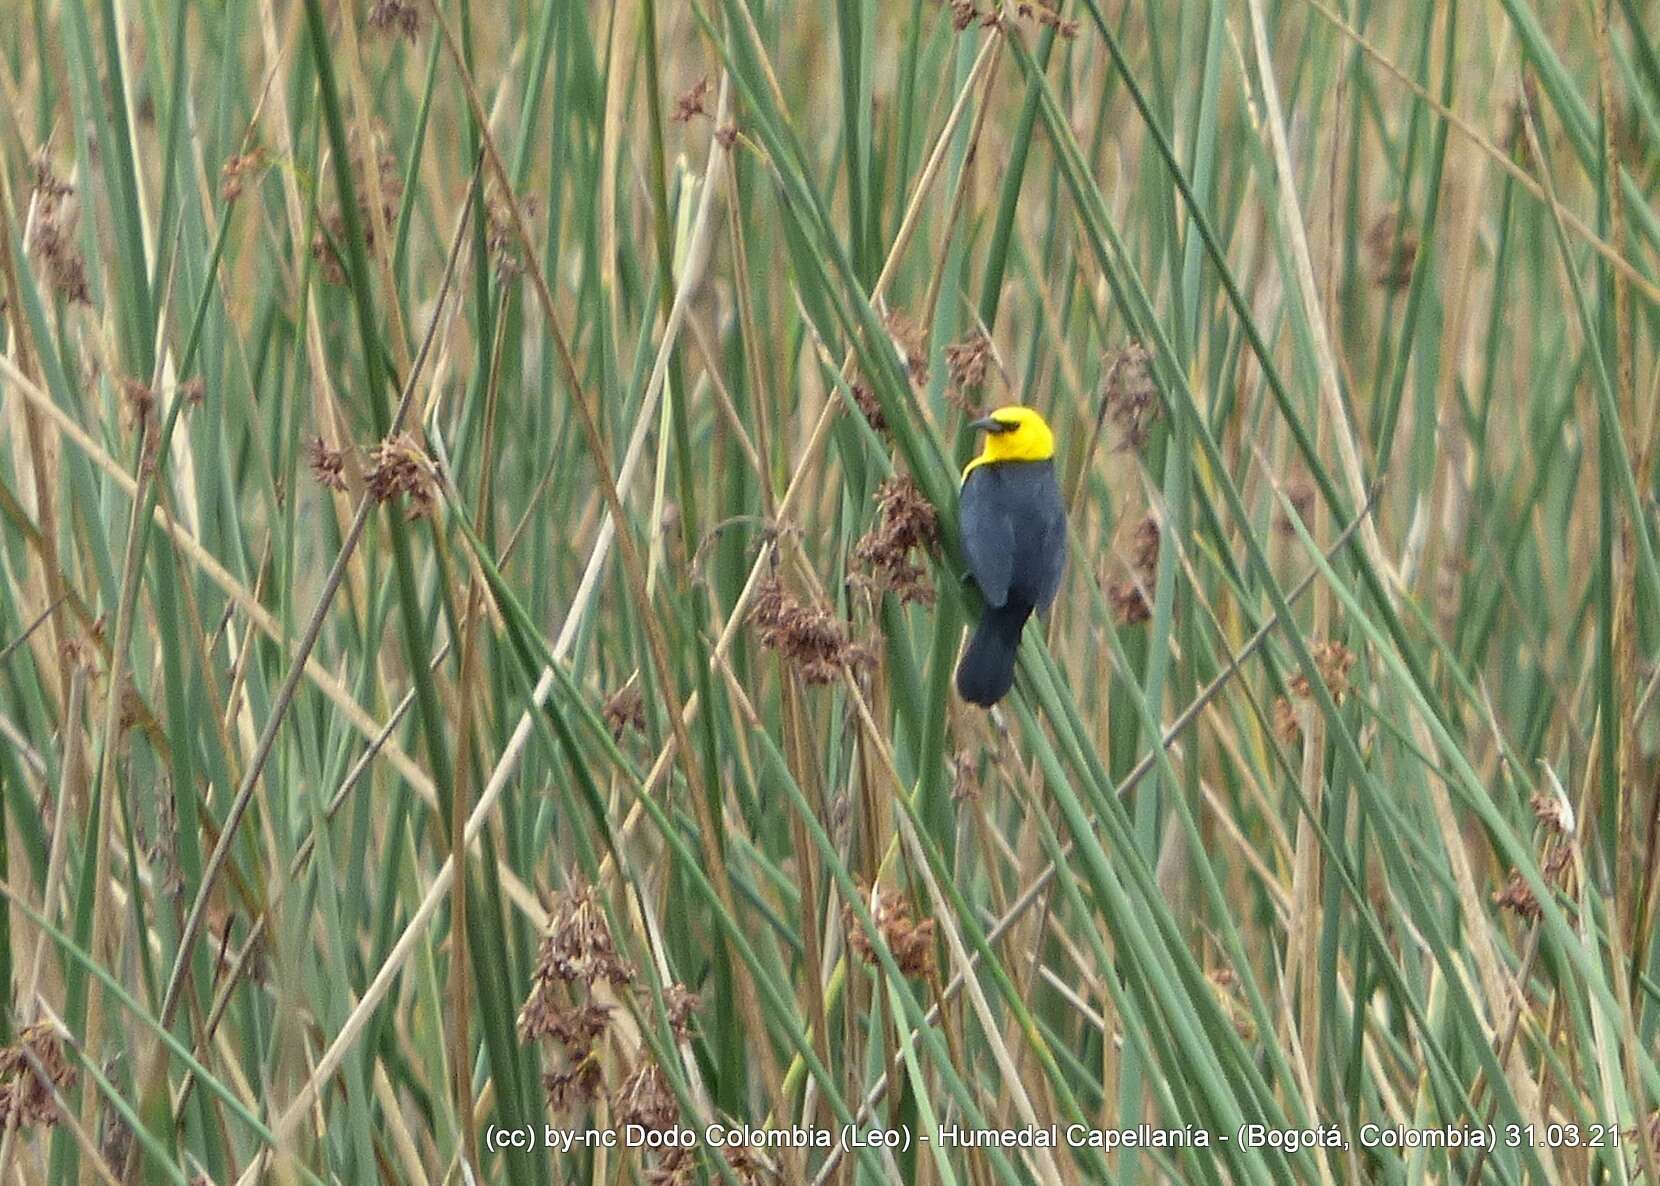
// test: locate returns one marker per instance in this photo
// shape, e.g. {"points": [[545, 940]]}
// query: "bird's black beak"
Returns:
{"points": [[992, 424]]}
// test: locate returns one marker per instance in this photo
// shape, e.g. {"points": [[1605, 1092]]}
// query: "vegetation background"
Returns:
{"points": [[479, 586]]}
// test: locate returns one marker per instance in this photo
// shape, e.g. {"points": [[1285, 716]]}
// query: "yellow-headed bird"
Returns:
{"points": [[1014, 533]]}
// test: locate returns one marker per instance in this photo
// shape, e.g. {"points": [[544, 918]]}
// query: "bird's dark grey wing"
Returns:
{"points": [[1054, 546], [1054, 561], [988, 538]]}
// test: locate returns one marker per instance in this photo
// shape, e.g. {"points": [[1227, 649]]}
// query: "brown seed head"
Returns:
{"points": [[1392, 249], [909, 523], [397, 18], [378, 180], [326, 464], [1555, 863], [682, 1005], [48, 185], [810, 640], [25, 1097], [1144, 549], [1129, 396], [76, 653], [748, 1166], [965, 777], [52, 237], [1065, 26], [502, 239], [1129, 603], [646, 1099], [139, 399], [1046, 13], [1650, 1133], [872, 410], [1333, 660], [692, 102], [1286, 726], [238, 169], [625, 709], [397, 466], [578, 946], [1518, 897], [574, 1085], [674, 1167], [1226, 982], [1551, 811], [912, 943], [580, 1026], [965, 362]]}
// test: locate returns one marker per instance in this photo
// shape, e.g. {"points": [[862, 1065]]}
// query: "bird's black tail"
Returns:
{"points": [[987, 670]]}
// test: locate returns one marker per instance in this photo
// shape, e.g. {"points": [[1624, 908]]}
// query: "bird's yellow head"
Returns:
{"points": [[1013, 433]]}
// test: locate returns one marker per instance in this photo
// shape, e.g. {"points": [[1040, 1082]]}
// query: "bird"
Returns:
{"points": [[1014, 536]]}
